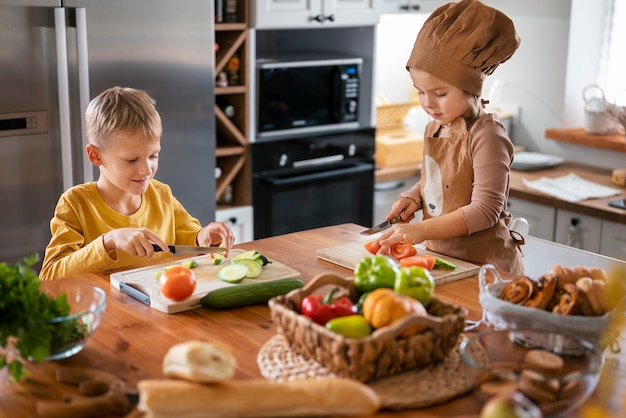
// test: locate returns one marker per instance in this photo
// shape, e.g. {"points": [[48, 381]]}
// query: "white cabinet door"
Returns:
{"points": [[310, 14], [613, 243], [239, 220], [411, 6], [577, 230], [540, 217]]}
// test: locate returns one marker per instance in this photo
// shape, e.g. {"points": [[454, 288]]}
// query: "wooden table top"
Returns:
{"points": [[133, 338]]}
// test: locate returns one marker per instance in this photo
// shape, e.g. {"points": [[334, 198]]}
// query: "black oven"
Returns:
{"points": [[313, 181]]}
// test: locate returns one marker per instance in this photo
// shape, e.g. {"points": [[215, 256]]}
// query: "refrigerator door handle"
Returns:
{"points": [[83, 84], [64, 97]]}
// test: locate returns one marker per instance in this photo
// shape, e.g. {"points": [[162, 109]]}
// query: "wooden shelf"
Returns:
{"points": [[578, 136], [232, 143]]}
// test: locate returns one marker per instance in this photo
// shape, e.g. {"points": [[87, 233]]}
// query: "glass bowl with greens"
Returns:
{"points": [[44, 321]]}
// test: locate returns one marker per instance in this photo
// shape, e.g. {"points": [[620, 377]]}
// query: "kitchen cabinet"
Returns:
{"points": [[311, 14], [541, 218], [410, 6], [613, 243], [578, 230], [239, 220], [231, 109]]}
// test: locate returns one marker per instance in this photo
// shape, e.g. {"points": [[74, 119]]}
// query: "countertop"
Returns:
{"points": [[598, 208], [134, 338]]}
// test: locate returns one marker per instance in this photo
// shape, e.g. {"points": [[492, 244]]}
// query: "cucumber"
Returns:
{"points": [[233, 273], [249, 255], [218, 259], [254, 269], [246, 294], [190, 264]]}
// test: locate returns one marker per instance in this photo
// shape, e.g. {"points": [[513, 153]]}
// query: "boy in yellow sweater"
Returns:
{"points": [[112, 223]]}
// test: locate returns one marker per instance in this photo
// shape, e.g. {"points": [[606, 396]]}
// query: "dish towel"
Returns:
{"points": [[570, 188]]}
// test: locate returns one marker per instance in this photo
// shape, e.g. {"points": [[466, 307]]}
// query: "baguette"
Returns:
{"points": [[199, 361], [252, 398]]}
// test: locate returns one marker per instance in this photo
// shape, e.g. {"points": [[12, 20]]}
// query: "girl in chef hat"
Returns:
{"points": [[467, 153]]}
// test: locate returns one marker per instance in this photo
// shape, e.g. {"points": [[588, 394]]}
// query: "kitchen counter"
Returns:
{"points": [[134, 338], [598, 208]]}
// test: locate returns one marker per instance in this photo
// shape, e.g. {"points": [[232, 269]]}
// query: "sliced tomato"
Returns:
{"points": [[421, 260], [372, 246], [402, 250]]}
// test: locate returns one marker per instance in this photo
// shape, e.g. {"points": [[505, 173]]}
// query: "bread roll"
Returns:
{"points": [[256, 398], [518, 290], [544, 291], [199, 361]]}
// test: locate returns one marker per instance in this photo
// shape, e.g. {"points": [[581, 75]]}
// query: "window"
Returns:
{"points": [[613, 68]]}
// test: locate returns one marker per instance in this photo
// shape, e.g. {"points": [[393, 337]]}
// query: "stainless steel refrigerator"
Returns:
{"points": [[56, 56]]}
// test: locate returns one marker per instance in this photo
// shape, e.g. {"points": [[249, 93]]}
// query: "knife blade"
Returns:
{"points": [[190, 249], [382, 226]]}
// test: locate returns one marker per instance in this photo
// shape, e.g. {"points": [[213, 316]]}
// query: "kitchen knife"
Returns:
{"points": [[190, 249], [382, 226]]}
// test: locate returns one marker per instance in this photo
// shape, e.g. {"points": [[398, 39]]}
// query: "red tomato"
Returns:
{"points": [[177, 283], [372, 246], [401, 250], [422, 260]]}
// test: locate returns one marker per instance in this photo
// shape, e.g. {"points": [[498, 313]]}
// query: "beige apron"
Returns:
{"points": [[447, 182]]}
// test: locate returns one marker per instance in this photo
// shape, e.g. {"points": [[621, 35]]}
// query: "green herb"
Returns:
{"points": [[25, 313]]}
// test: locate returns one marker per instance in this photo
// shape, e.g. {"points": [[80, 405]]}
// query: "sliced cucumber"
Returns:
{"points": [[218, 259], [190, 264], [254, 269], [233, 273], [249, 255]]}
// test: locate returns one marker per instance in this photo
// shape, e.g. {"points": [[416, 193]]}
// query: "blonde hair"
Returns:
{"points": [[476, 108], [122, 110]]}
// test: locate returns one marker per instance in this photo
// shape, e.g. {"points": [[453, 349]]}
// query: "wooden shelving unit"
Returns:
{"points": [[232, 142], [616, 142]]}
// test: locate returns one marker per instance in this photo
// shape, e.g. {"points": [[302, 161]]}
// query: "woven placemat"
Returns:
{"points": [[417, 388]]}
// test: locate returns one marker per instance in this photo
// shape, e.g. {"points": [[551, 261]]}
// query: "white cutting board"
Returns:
{"points": [[350, 254], [206, 276]]}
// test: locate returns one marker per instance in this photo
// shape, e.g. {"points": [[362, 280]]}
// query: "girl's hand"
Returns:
{"points": [[399, 233], [404, 206], [135, 241], [216, 234]]}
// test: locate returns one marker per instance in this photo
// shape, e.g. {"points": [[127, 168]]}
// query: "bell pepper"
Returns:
{"points": [[322, 309], [375, 271], [415, 282], [359, 304], [352, 326]]}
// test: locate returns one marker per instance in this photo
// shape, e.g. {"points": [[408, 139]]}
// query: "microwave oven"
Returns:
{"points": [[314, 94]]}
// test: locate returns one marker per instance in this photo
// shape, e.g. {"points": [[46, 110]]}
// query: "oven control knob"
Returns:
{"points": [[351, 150], [282, 160], [351, 108]]}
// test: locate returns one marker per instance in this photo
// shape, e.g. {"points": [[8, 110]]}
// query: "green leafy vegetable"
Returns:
{"points": [[26, 312]]}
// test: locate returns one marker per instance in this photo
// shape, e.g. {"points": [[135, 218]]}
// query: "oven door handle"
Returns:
{"points": [[361, 168]]}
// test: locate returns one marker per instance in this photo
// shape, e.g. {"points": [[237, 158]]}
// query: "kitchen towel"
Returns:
{"points": [[571, 188]]}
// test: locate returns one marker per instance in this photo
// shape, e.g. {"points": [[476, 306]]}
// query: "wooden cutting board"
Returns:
{"points": [[144, 280], [350, 254]]}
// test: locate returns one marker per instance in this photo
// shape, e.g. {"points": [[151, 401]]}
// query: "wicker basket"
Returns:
{"points": [[378, 355]]}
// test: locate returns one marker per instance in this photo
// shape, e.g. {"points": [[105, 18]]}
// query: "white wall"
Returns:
{"points": [[557, 58]]}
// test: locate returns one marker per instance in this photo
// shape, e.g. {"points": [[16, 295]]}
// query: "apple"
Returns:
{"points": [[510, 406]]}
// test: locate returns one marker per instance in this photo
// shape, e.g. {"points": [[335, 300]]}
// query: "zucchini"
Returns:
{"points": [[249, 255], [218, 259], [233, 273], [254, 269], [246, 294], [190, 264]]}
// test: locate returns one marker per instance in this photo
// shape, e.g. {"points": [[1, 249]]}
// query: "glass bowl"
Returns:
{"points": [[70, 333], [556, 372]]}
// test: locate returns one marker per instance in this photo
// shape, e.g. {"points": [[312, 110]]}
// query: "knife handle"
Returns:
{"points": [[108, 405], [157, 248], [396, 219]]}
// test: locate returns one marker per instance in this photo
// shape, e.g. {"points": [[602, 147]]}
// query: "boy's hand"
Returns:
{"points": [[216, 234], [135, 241]]}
